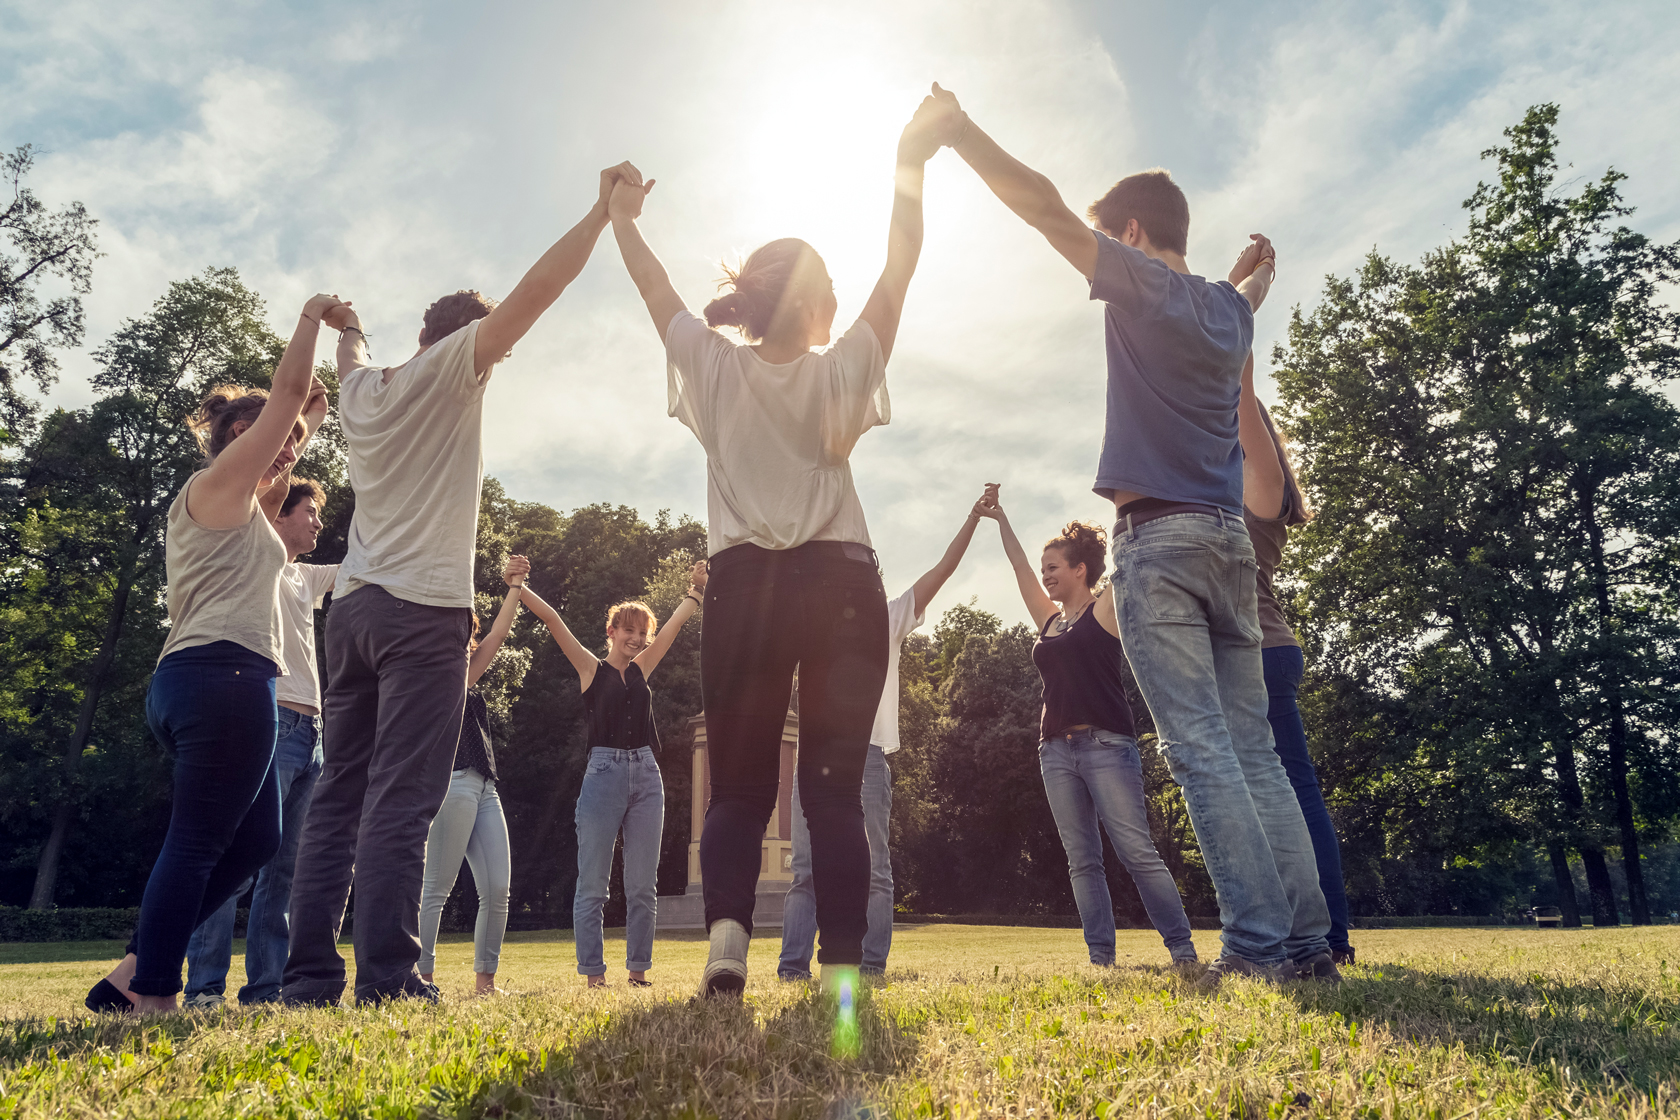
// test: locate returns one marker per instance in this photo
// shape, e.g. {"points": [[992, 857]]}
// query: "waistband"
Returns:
{"points": [[620, 754], [1135, 515], [1086, 732], [811, 550]]}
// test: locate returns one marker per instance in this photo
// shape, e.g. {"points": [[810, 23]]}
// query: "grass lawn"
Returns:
{"points": [[973, 1022]]}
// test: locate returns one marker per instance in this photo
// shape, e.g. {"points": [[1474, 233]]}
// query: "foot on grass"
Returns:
{"points": [[1320, 967], [1229, 965], [726, 965]]}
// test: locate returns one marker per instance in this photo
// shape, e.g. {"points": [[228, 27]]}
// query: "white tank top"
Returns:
{"points": [[224, 584]]}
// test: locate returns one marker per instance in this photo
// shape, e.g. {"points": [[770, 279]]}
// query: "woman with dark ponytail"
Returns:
{"points": [[1087, 750], [211, 702], [794, 582]]}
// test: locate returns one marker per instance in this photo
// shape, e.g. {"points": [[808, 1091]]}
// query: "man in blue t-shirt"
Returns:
{"points": [[1184, 569]]}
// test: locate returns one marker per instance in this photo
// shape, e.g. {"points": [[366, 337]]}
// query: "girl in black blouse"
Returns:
{"points": [[622, 790]]}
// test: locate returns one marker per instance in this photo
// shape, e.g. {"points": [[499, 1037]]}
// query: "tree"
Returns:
{"points": [[42, 244], [1492, 569], [119, 464]]}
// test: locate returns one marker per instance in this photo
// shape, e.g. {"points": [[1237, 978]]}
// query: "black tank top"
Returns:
{"points": [[620, 709], [1081, 672]]}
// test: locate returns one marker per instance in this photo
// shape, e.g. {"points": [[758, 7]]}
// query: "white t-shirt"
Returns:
{"points": [[901, 620], [302, 586], [777, 437], [417, 466]]}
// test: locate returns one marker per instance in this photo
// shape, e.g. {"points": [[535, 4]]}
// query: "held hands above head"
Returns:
{"points": [[935, 124], [515, 570], [1255, 270], [626, 192], [987, 505]]}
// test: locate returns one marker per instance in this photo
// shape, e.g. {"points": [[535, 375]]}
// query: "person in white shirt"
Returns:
{"points": [[799, 913], [794, 583], [401, 618], [296, 514]]}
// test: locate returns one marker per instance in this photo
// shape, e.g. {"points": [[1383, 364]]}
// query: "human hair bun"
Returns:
{"points": [[732, 309], [225, 406], [1082, 542]]}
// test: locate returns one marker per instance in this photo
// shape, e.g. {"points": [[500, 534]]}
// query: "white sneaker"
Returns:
{"points": [[726, 967]]}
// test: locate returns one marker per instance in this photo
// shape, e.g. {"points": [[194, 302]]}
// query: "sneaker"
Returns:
{"points": [[1229, 965], [203, 1001], [726, 966], [1342, 956], [1319, 967], [413, 988]]}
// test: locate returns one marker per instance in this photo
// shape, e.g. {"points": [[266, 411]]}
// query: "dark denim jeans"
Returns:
{"points": [[1284, 666], [297, 763], [818, 608], [213, 708]]}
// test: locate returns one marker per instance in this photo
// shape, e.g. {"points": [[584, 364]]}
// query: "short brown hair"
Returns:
{"points": [[452, 312], [1083, 543], [302, 488], [627, 613], [1155, 201]]}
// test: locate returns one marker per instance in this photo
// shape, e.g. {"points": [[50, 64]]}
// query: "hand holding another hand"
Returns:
{"points": [[622, 190], [1257, 252], [515, 570], [697, 578], [988, 505], [321, 305], [316, 403]]}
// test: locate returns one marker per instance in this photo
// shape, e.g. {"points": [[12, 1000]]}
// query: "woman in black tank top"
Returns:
{"points": [[1087, 753]]}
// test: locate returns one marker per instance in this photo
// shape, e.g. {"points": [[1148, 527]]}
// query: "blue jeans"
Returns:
{"points": [[1284, 666], [212, 707], [1186, 600], [297, 763], [799, 913], [469, 826], [1093, 775], [621, 790]]}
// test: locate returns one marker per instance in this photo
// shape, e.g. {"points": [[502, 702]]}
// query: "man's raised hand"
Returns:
{"points": [[625, 203], [515, 570], [1258, 251], [625, 172]]}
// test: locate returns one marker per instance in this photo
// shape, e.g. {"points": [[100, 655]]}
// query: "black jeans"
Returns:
{"points": [[819, 608], [213, 708], [397, 683]]}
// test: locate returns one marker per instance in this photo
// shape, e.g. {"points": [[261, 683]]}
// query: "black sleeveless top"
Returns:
{"points": [[1080, 668], [620, 709], [474, 751]]}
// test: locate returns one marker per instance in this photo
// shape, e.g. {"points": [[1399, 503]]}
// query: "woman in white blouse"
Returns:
{"points": [[794, 582]]}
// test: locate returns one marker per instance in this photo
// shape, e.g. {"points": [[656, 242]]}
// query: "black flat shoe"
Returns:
{"points": [[106, 996], [634, 983]]}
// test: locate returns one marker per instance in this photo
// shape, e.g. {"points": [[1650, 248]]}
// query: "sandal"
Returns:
{"points": [[635, 983]]}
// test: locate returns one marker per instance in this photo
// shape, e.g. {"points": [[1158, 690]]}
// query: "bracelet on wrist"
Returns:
{"points": [[352, 327], [311, 318]]}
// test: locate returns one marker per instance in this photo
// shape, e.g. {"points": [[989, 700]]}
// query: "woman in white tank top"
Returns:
{"points": [[211, 701], [794, 582]]}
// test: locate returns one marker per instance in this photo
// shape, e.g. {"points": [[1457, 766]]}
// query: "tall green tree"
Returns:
{"points": [[1491, 573]]}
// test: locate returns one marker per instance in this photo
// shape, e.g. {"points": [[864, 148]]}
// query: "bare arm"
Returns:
{"points": [[582, 660], [649, 276], [1032, 196], [224, 497], [934, 578], [1262, 473], [650, 657], [486, 651], [1255, 270], [1039, 605], [542, 285], [917, 145]]}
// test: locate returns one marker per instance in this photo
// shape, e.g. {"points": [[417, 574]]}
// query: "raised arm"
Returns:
{"points": [[916, 145], [514, 573], [1033, 197], [352, 350], [934, 578], [1262, 473], [582, 660], [1039, 605], [650, 657], [224, 497], [650, 277], [541, 286], [1255, 270]]}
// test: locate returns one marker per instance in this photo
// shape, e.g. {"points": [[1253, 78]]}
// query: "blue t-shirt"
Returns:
{"points": [[1176, 348]]}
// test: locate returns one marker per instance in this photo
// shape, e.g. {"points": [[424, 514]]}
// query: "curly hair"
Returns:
{"points": [[227, 405], [452, 312], [1083, 543], [302, 488]]}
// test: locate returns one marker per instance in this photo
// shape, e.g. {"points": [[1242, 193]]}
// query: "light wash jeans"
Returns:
{"points": [[1093, 775], [799, 910], [1190, 628], [470, 824], [621, 790], [297, 763]]}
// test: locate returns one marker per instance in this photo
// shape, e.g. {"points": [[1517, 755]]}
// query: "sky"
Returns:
{"points": [[392, 152]]}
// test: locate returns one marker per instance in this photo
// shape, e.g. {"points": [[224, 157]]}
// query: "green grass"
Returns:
{"points": [[974, 1022]]}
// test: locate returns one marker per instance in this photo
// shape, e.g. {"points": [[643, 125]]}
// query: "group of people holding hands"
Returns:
{"points": [[388, 781]]}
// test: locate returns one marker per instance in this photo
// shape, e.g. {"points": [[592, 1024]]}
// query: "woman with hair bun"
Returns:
{"points": [[795, 583], [1087, 750], [211, 702]]}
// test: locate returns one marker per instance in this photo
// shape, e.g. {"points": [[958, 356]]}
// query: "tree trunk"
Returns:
{"points": [[1598, 882], [1639, 909], [1565, 886], [1592, 853], [46, 869]]}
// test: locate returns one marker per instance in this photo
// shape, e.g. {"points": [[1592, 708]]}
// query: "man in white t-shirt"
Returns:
{"points": [[401, 619], [799, 914], [297, 765]]}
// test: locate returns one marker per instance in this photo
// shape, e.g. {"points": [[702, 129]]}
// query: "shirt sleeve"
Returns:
{"points": [[902, 618], [857, 388], [1127, 279], [693, 360], [319, 578], [449, 364]]}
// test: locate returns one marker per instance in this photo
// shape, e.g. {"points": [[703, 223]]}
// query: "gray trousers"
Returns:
{"points": [[396, 687]]}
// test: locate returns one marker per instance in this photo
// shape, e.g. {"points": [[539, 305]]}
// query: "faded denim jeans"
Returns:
{"points": [[1186, 600], [297, 763], [621, 790], [1093, 775], [799, 910], [470, 825]]}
